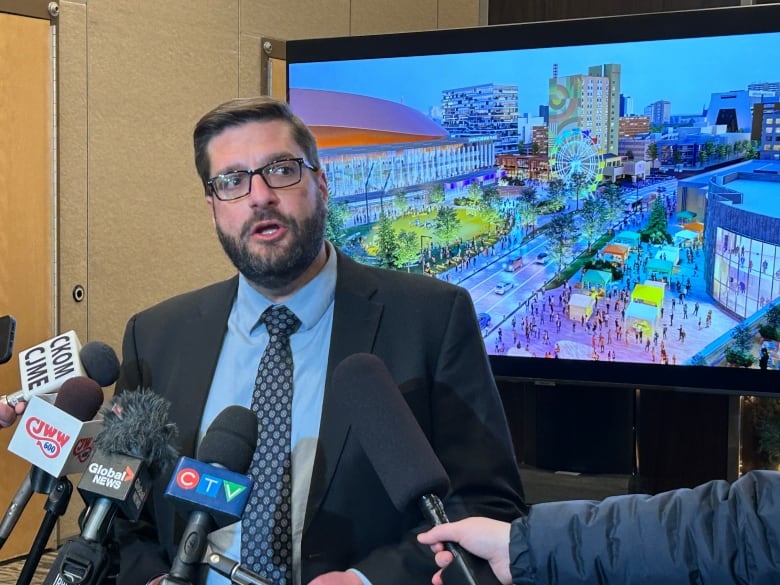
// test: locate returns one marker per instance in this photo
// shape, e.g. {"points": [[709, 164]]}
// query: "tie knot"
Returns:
{"points": [[279, 320]]}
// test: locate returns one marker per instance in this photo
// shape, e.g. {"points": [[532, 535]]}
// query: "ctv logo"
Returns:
{"points": [[49, 438], [208, 485]]}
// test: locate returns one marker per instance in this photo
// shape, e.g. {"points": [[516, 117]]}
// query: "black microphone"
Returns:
{"points": [[80, 398], [396, 446], [46, 366], [133, 448], [233, 570], [7, 330], [212, 490]]}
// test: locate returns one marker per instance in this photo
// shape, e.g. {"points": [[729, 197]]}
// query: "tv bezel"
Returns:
{"points": [[726, 21]]}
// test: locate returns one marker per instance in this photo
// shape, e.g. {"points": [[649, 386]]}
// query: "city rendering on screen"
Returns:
{"points": [[606, 202]]}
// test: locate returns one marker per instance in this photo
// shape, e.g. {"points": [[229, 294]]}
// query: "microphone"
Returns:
{"points": [[132, 450], [237, 574], [396, 446], [7, 330], [214, 488], [44, 367], [79, 398]]}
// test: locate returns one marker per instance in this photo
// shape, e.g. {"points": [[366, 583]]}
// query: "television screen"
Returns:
{"points": [[607, 190]]}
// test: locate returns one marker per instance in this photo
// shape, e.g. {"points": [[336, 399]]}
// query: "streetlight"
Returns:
{"points": [[422, 253]]}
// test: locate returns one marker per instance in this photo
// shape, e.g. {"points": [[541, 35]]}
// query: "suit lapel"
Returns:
{"points": [[202, 336], [355, 323]]}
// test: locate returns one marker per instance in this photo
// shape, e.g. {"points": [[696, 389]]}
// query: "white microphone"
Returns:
{"points": [[44, 367]]}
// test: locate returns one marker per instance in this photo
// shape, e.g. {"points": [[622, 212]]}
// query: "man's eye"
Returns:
{"points": [[282, 169]]}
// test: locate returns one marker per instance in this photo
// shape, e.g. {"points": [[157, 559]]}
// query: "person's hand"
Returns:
{"points": [[483, 537], [337, 578], [8, 414]]}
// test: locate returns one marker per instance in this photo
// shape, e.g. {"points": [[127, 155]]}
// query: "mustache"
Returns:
{"points": [[264, 215]]}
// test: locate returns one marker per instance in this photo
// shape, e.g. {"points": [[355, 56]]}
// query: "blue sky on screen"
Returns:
{"points": [[683, 71]]}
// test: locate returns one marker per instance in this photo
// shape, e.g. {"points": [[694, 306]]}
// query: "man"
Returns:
{"points": [[267, 195], [716, 533]]}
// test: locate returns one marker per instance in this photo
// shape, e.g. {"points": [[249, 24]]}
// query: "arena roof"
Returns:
{"points": [[344, 119]]}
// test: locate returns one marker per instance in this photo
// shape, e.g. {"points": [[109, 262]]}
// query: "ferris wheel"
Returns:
{"points": [[575, 151]]}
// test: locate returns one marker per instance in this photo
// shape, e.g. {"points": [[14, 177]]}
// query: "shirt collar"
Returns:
{"points": [[309, 304]]}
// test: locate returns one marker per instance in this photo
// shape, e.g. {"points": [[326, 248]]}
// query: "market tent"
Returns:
{"points": [[648, 295], [670, 253], [580, 305], [685, 216], [628, 238], [596, 280], [617, 253], [694, 226], [685, 237], [658, 266], [641, 317]]}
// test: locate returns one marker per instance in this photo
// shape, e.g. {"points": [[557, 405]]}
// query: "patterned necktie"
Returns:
{"points": [[266, 526]]}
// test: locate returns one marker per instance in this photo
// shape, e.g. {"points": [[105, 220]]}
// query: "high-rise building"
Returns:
{"points": [[730, 109], [626, 106], [659, 112], [766, 127], [589, 103], [612, 72], [483, 110]]}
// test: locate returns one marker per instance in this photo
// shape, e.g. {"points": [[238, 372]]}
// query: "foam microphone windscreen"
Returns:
{"points": [[80, 397], [231, 439], [100, 362], [135, 423], [387, 430]]}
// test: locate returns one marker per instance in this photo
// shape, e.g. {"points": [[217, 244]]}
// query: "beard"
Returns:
{"points": [[276, 268]]}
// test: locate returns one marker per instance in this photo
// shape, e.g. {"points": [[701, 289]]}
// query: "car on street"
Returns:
{"points": [[503, 287], [542, 258], [484, 320]]}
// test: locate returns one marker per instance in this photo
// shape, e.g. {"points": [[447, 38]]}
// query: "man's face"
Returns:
{"points": [[274, 237]]}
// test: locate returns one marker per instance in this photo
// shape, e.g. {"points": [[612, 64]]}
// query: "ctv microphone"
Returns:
{"points": [[214, 488], [132, 450], [50, 443], [46, 366], [396, 446]]}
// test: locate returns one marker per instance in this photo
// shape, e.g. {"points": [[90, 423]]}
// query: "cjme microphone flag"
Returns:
{"points": [[44, 367], [196, 485], [53, 440]]}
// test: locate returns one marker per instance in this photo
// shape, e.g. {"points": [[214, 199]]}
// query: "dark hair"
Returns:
{"points": [[241, 111]]}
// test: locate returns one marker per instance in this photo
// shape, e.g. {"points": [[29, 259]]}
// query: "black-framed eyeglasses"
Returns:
{"points": [[276, 174]]}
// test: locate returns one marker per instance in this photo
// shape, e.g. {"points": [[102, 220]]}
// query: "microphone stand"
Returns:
{"points": [[237, 574], [55, 506]]}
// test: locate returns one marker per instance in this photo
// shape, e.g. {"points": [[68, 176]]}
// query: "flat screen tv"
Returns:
{"points": [[607, 189]]}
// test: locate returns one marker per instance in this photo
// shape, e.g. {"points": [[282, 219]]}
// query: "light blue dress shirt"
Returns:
{"points": [[234, 383]]}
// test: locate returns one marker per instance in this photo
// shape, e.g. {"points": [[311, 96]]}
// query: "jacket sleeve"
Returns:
{"points": [[717, 533]]}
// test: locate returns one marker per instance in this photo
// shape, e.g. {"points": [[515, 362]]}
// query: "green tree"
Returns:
{"points": [[773, 316], [556, 189], [561, 236], [401, 202], [593, 219], [436, 194], [408, 251], [742, 338], [446, 224], [614, 202], [677, 156], [474, 196], [656, 231], [336, 221], [387, 242], [527, 208], [535, 148], [630, 154], [751, 150], [578, 181], [652, 152]]}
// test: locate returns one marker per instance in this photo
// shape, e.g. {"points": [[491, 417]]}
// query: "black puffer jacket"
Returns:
{"points": [[715, 534]]}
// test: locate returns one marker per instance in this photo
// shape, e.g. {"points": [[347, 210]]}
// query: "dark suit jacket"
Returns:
{"points": [[426, 333]]}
